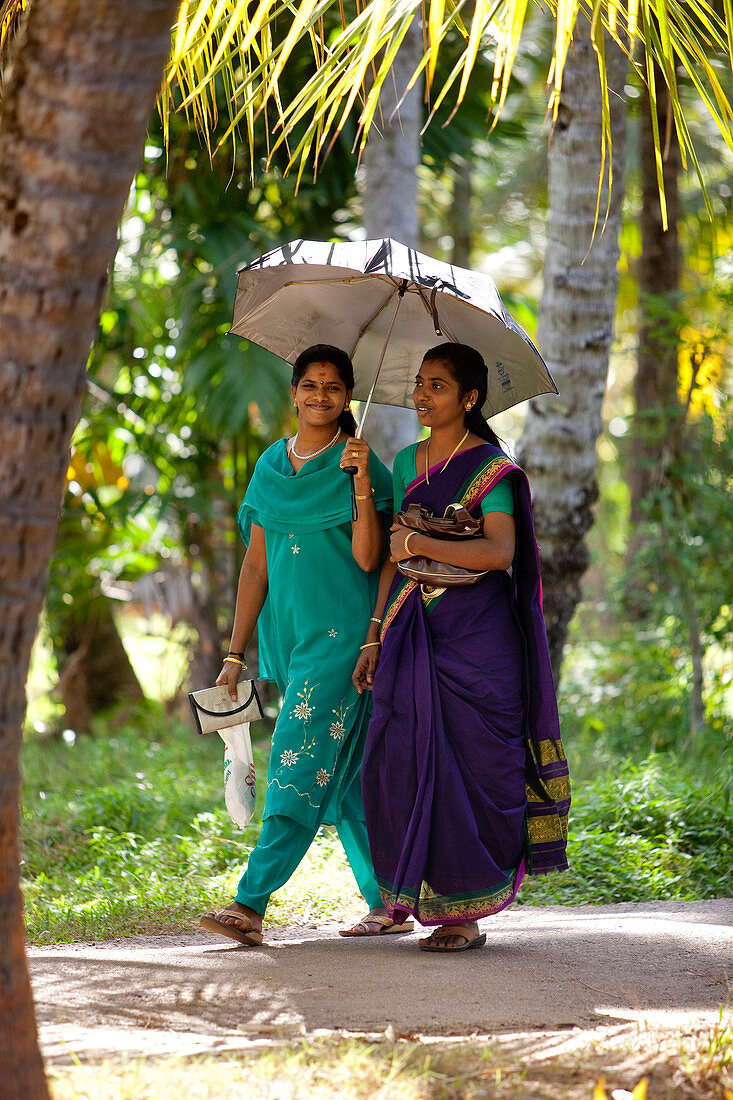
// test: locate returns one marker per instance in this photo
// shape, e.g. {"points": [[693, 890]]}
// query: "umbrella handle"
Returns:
{"points": [[353, 470]]}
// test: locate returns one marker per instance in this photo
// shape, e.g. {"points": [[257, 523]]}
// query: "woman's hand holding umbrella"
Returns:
{"points": [[355, 460]]}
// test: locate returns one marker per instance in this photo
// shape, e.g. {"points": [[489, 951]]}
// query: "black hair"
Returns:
{"points": [[469, 370], [327, 353]]}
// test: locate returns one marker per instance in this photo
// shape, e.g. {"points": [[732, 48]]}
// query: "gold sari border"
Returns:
{"points": [[485, 480], [394, 608]]}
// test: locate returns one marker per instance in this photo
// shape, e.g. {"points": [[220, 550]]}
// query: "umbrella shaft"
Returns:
{"points": [[400, 295]]}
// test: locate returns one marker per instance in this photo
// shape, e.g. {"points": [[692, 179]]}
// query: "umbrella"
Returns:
{"points": [[385, 304]]}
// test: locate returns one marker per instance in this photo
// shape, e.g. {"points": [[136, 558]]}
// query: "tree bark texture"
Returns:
{"points": [[95, 670], [557, 447], [391, 159], [655, 383], [461, 215], [77, 101]]}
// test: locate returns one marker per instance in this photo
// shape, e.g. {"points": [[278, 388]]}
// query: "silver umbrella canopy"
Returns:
{"points": [[385, 304]]}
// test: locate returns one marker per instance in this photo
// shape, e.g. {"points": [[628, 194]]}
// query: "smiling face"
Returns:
{"points": [[320, 395], [437, 396]]}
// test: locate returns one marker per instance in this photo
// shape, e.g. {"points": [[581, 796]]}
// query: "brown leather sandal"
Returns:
{"points": [[382, 925], [463, 931], [247, 933]]}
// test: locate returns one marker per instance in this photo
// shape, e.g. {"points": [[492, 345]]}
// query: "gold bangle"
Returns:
{"points": [[367, 644], [408, 536], [234, 661], [366, 496], [374, 620]]}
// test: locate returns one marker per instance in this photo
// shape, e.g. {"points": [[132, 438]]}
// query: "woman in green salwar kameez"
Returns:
{"points": [[309, 579]]}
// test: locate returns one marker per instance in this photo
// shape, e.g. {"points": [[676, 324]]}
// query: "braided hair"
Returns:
{"points": [[469, 370], [327, 353]]}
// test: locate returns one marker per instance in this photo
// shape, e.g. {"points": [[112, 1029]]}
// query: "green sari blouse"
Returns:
{"points": [[314, 619]]}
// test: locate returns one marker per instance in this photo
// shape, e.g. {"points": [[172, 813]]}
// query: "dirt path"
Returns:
{"points": [[548, 971]]}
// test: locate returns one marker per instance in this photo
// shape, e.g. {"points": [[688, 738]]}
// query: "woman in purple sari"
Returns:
{"points": [[464, 779]]}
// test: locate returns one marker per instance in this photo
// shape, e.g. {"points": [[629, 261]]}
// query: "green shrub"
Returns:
{"points": [[654, 831]]}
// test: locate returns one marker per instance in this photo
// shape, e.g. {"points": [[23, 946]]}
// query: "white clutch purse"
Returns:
{"points": [[214, 710]]}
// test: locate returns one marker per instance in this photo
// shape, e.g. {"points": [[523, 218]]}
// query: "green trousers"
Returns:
{"points": [[282, 845]]}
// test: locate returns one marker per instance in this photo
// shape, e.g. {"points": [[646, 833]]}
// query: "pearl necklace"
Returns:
{"points": [[304, 458], [427, 455]]}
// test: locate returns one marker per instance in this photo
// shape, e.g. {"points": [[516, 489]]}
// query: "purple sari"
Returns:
{"points": [[464, 778]]}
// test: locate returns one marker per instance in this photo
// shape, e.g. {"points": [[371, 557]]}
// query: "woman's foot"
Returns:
{"points": [[453, 937], [376, 923], [236, 921]]}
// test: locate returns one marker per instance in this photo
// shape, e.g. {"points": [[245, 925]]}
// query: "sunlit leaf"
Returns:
{"points": [[435, 25], [249, 45]]}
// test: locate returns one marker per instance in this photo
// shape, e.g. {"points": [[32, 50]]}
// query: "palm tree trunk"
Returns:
{"points": [[75, 107], [391, 159], [557, 447], [95, 672], [655, 383], [460, 215]]}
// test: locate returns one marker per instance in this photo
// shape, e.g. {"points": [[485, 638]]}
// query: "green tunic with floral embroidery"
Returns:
{"points": [[314, 619]]}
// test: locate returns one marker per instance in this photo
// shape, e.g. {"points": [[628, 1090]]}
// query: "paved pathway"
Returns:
{"points": [[549, 969]]}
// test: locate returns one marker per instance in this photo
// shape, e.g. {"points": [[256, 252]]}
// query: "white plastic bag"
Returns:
{"points": [[240, 785]]}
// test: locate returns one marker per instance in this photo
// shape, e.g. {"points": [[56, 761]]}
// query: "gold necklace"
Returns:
{"points": [[450, 456]]}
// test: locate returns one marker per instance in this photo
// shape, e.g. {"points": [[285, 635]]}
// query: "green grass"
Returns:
{"points": [[126, 833]]}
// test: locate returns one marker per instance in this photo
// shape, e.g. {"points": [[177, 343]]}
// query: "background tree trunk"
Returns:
{"points": [[96, 672], [461, 215], [655, 384], [211, 601], [391, 159], [77, 101], [557, 447]]}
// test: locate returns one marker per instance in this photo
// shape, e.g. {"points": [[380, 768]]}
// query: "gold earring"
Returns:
{"points": [[469, 406]]}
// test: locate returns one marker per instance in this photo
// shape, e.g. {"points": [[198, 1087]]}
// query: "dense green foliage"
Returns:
{"points": [[127, 833]]}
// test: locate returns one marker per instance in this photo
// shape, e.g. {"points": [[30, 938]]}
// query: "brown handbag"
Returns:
{"points": [[456, 524]]}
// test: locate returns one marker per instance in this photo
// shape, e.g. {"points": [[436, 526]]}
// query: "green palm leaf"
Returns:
{"points": [[249, 46]]}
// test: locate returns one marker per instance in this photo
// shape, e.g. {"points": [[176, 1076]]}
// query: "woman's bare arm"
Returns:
{"points": [[366, 665], [251, 594], [494, 551]]}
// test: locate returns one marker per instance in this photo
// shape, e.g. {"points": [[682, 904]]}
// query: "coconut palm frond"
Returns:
{"points": [[10, 14], [247, 45]]}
